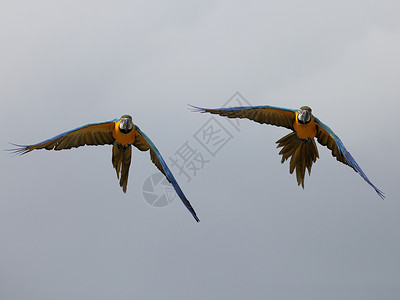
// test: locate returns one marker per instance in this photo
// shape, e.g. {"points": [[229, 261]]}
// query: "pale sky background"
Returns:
{"points": [[68, 231]]}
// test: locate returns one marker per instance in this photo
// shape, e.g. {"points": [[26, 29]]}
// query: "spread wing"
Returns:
{"points": [[264, 114], [327, 137], [90, 134], [143, 143]]}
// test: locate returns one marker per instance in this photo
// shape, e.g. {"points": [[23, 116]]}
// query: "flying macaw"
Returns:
{"points": [[298, 145], [121, 133]]}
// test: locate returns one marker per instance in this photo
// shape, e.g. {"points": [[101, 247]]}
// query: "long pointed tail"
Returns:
{"points": [[121, 160], [303, 154]]}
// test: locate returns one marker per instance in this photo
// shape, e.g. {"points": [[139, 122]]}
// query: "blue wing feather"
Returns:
{"points": [[239, 108], [263, 114], [22, 149], [169, 175], [349, 158]]}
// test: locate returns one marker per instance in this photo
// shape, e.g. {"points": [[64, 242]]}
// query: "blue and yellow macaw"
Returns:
{"points": [[298, 145], [121, 133]]}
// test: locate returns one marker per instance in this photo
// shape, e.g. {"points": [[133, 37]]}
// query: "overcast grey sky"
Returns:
{"points": [[68, 231]]}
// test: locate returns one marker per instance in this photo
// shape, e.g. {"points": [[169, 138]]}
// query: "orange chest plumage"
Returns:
{"points": [[305, 131], [123, 138]]}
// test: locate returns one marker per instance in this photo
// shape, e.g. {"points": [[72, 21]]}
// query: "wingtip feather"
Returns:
{"points": [[19, 150], [193, 108], [380, 193], [195, 217]]}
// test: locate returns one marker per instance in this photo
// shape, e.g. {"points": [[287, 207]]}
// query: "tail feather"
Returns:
{"points": [[295, 160], [300, 167], [311, 156], [116, 158], [307, 159], [302, 154], [287, 151], [121, 160]]}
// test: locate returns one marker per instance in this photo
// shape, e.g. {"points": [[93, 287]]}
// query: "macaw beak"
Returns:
{"points": [[304, 116], [125, 124]]}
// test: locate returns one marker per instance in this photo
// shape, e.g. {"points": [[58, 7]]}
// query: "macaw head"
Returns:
{"points": [[126, 124], [304, 115]]}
